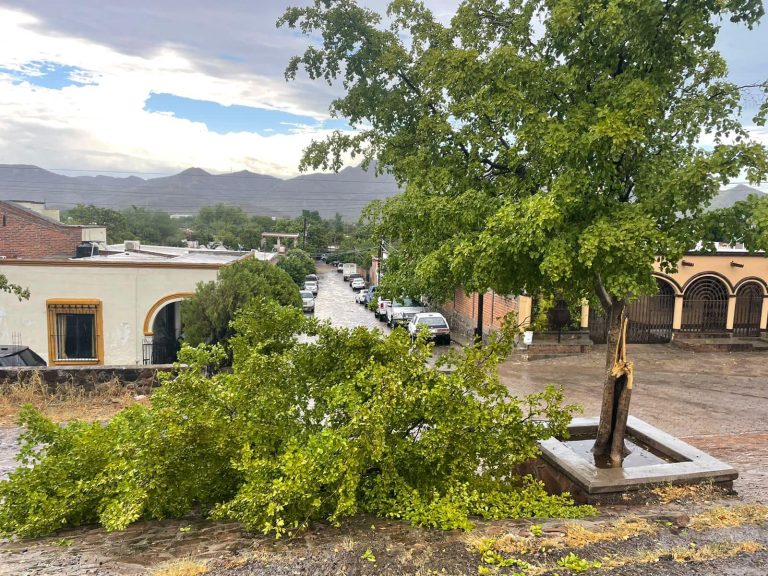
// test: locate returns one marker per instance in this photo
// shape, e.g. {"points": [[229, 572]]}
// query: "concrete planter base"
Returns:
{"points": [[669, 461]]}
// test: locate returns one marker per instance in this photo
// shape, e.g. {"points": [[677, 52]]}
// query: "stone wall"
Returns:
{"points": [[138, 378]]}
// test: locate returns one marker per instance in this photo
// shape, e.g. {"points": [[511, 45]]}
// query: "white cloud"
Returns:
{"points": [[103, 126]]}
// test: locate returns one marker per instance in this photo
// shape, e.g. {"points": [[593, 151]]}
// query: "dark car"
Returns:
{"points": [[19, 356]]}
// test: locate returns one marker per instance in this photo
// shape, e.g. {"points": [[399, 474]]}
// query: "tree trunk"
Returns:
{"points": [[609, 449], [479, 327]]}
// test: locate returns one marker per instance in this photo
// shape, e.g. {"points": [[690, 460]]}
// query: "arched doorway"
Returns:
{"points": [[705, 306], [166, 332], [749, 309], [162, 330], [650, 318]]}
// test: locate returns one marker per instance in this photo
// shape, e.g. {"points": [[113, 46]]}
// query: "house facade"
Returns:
{"points": [[103, 305], [710, 295]]}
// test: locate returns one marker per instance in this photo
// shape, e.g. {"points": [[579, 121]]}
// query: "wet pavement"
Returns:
{"points": [[715, 401], [335, 301]]}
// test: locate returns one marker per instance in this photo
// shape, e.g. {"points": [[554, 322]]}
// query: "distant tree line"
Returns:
{"points": [[230, 226]]}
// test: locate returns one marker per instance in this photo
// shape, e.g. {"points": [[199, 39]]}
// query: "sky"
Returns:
{"points": [[151, 87]]}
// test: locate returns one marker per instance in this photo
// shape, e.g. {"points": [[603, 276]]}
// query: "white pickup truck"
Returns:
{"points": [[401, 311]]}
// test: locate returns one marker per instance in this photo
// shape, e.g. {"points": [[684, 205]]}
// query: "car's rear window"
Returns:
{"points": [[306, 294], [433, 322]]}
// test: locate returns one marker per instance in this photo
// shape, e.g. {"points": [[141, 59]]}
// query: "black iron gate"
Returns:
{"points": [[705, 306], [650, 321], [749, 308], [160, 352]]}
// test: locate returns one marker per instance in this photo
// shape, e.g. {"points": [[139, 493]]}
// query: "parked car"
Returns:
{"points": [[357, 284], [311, 278], [401, 311], [381, 310], [307, 301], [366, 296], [340, 268], [352, 277], [348, 268], [19, 356], [439, 331], [311, 287]]}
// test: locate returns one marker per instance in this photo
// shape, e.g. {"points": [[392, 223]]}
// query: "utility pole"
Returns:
{"points": [[304, 240], [381, 260]]}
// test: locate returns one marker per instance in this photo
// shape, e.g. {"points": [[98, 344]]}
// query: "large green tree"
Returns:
{"points": [[548, 146], [298, 264], [207, 316], [114, 221]]}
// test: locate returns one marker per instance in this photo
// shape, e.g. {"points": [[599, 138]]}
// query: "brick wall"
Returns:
{"points": [[25, 234], [462, 311]]}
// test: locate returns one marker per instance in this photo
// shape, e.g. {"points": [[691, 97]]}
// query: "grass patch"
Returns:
{"points": [[66, 402], [688, 493], [181, 568], [730, 517], [576, 536], [703, 553]]}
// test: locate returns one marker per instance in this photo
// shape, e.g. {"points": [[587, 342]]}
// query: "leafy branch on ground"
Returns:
{"points": [[311, 423]]}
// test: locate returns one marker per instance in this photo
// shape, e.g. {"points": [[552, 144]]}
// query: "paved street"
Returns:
{"points": [[336, 302], [716, 401]]}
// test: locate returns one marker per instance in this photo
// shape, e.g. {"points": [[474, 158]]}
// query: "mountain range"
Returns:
{"points": [[346, 192]]}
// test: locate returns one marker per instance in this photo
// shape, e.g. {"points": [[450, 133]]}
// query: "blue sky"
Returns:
{"points": [[234, 118], [158, 86], [48, 75]]}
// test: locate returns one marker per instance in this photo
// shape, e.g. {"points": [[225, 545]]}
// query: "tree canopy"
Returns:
{"points": [[548, 146], [135, 223], [207, 316], [298, 264]]}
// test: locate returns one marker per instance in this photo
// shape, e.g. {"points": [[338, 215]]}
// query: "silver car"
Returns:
{"points": [[307, 301], [436, 325]]}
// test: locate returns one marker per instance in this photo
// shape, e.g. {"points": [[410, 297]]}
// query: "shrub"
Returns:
{"points": [[297, 264], [312, 423], [207, 316]]}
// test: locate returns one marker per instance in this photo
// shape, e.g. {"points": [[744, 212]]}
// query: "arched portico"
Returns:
{"points": [[748, 310], [706, 304], [157, 306], [162, 329]]}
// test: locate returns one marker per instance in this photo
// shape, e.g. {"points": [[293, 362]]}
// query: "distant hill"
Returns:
{"points": [[728, 197], [347, 192]]}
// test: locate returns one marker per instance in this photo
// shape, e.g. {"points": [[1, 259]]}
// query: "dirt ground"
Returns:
{"points": [[714, 401]]}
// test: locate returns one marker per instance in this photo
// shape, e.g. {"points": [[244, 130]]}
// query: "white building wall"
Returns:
{"points": [[127, 294]]}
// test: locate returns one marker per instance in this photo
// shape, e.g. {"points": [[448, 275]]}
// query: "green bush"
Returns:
{"points": [[312, 423], [298, 264], [207, 316]]}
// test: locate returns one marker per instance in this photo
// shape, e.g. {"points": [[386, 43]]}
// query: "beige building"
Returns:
{"points": [[720, 294], [116, 309]]}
